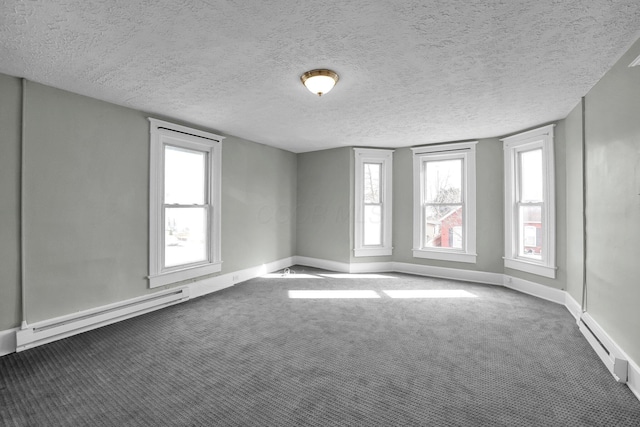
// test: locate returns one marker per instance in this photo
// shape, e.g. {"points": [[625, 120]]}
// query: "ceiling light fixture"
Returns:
{"points": [[319, 82]]}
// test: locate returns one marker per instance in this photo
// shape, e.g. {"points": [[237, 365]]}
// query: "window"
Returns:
{"points": [[373, 184], [184, 212], [444, 214], [529, 202]]}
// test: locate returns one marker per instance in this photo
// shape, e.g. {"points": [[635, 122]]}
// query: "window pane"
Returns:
{"points": [[185, 236], [530, 232], [444, 227], [531, 175], [184, 176], [372, 173], [372, 225], [443, 181]]}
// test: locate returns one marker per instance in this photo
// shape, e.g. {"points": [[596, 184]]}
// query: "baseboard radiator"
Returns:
{"points": [[39, 333], [604, 347]]}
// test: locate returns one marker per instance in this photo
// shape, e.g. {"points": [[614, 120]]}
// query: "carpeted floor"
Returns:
{"points": [[252, 356]]}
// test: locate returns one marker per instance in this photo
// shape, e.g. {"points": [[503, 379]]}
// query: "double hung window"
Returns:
{"points": [[444, 202], [529, 202], [373, 209], [184, 203]]}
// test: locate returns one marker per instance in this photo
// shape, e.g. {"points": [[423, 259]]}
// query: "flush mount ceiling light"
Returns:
{"points": [[319, 81]]}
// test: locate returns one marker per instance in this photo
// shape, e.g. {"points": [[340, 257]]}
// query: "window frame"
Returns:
{"points": [[384, 158], [164, 133], [540, 138], [461, 150]]}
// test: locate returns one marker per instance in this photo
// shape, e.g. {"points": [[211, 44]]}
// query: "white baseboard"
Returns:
{"points": [[401, 267], [534, 289], [572, 305], [325, 264], [371, 267], [213, 284], [8, 341], [449, 273]]}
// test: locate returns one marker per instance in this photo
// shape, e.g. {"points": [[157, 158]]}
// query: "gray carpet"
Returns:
{"points": [[250, 355]]}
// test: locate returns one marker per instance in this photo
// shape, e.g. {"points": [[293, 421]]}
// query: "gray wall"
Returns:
{"points": [[86, 168], [612, 135], [10, 124], [324, 200], [575, 203], [85, 203], [258, 204]]}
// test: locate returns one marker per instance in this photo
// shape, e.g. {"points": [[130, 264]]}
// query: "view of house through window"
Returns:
{"points": [[530, 204], [185, 206], [444, 202], [443, 214]]}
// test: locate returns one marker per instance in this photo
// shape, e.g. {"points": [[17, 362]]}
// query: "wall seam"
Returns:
{"points": [[21, 279], [583, 102]]}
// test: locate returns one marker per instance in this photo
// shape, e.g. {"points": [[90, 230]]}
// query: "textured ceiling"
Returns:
{"points": [[411, 71]]}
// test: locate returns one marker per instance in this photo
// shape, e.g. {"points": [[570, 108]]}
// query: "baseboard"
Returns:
{"points": [[371, 267], [325, 264], [572, 305], [535, 289], [217, 283], [401, 267], [449, 273], [8, 341]]}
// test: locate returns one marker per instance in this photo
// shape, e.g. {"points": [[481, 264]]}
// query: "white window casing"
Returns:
{"points": [[382, 161], [164, 134], [515, 236], [463, 248]]}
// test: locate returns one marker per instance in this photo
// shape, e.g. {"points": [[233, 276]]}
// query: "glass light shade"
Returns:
{"points": [[319, 82]]}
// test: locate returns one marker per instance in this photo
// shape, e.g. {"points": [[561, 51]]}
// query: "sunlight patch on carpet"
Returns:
{"points": [[290, 276], [327, 293], [430, 293], [357, 276]]}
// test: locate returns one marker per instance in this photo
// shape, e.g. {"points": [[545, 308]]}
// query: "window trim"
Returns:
{"points": [[537, 138], [385, 159], [181, 136], [466, 151]]}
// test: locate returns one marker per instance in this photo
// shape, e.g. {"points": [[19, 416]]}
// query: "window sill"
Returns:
{"points": [[186, 274], [361, 252], [530, 267], [445, 255]]}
